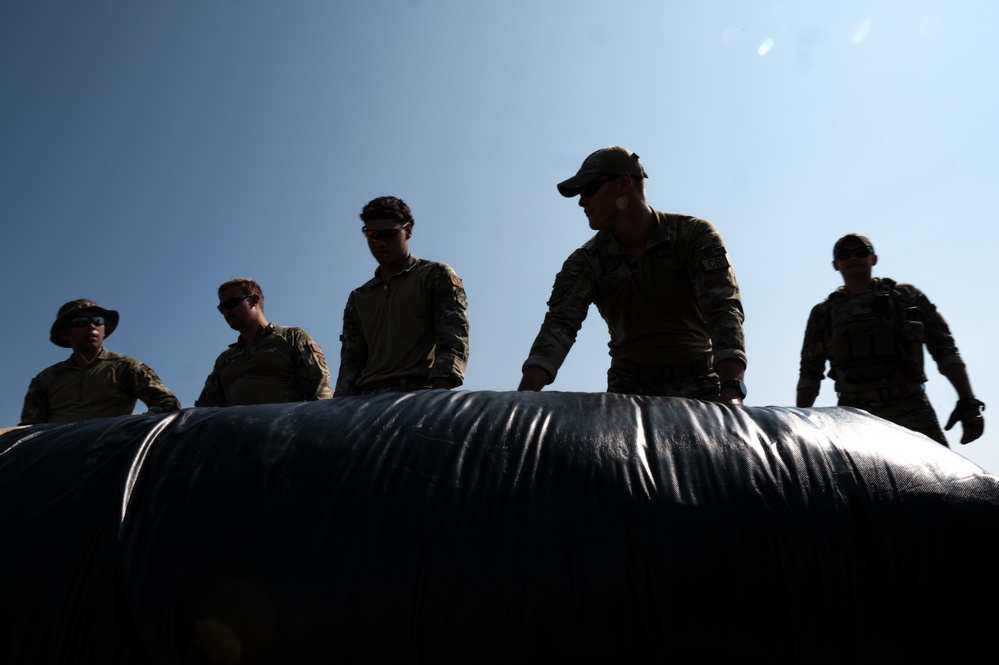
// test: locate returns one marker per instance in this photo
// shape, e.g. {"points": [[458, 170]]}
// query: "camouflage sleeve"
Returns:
{"points": [[450, 310], [716, 290], [212, 394], [939, 340], [353, 353], [140, 380], [572, 295], [36, 404], [814, 349], [311, 370]]}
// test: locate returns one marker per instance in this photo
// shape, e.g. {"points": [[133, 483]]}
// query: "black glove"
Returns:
{"points": [[969, 411]]}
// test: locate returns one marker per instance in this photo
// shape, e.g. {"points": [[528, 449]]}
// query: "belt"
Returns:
{"points": [[682, 371], [403, 383], [893, 392]]}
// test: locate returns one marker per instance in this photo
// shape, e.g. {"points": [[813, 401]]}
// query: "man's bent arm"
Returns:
{"points": [[311, 370], [148, 387], [353, 353], [813, 356], [36, 405], [717, 292], [450, 329], [212, 393], [572, 295]]}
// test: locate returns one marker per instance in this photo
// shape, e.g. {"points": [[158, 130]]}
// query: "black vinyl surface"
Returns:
{"points": [[493, 527]]}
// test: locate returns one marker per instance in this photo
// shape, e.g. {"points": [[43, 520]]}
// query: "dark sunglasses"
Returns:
{"points": [[81, 321], [381, 234], [859, 253], [224, 307], [591, 188]]}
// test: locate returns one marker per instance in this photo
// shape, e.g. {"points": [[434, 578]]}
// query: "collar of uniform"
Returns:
{"points": [[877, 284], [410, 263], [101, 355], [662, 232], [262, 331]]}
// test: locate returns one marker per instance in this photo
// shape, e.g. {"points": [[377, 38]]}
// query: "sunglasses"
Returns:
{"points": [[231, 302], [591, 188], [82, 321], [859, 253], [381, 234]]}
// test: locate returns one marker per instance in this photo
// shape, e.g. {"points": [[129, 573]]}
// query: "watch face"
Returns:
{"points": [[737, 384]]}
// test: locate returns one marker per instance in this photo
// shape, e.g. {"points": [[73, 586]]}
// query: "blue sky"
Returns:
{"points": [[150, 151]]}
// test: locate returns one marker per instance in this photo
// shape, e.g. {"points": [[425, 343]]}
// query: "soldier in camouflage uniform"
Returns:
{"points": [[662, 282], [268, 363], [872, 332], [93, 382], [407, 328]]}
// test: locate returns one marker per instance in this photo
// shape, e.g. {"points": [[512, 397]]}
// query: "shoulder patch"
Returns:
{"points": [[717, 262], [436, 268]]}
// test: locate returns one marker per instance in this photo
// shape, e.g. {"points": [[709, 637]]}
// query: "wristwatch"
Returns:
{"points": [[738, 384]]}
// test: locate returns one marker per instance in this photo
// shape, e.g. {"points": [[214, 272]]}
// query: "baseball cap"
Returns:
{"points": [[612, 160]]}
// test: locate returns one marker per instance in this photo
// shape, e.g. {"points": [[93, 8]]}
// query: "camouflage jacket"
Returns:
{"points": [[677, 304], [414, 326], [109, 387], [281, 364], [874, 339]]}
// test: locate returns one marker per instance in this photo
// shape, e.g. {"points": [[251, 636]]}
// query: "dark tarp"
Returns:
{"points": [[492, 527]]}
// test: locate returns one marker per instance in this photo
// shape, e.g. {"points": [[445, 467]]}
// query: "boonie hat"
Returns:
{"points": [[852, 236], [75, 308], [612, 160]]}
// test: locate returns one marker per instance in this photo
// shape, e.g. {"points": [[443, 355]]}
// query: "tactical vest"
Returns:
{"points": [[875, 343]]}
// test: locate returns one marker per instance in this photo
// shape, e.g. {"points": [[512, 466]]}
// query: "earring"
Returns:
{"points": [[622, 202]]}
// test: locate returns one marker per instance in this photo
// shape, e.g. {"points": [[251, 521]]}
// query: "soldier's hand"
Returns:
{"points": [[534, 379], [969, 411]]}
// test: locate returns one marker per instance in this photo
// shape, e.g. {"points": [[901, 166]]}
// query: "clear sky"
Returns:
{"points": [[150, 151]]}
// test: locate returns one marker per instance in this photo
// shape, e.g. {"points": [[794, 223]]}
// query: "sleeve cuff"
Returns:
{"points": [[543, 363], [946, 361], [730, 354], [805, 382], [448, 368]]}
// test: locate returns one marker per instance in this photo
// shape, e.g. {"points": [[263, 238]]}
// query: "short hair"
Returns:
{"points": [[247, 286], [387, 207]]}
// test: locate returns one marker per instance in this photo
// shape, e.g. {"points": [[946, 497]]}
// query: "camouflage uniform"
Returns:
{"points": [[404, 333], [281, 364], [874, 344], [672, 315], [106, 388]]}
